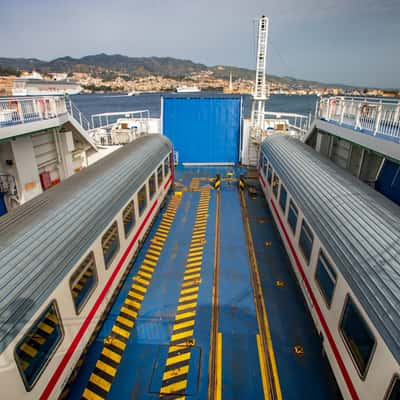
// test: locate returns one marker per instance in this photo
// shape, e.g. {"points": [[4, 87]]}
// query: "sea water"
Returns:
{"points": [[91, 104]]}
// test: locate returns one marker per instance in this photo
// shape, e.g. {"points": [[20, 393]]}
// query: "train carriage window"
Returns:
{"points": [[36, 348], [269, 174], [265, 167], [83, 281], [159, 176], [306, 240], [275, 185], [128, 216], [394, 391], [152, 186], [282, 198], [142, 199], [166, 167], [110, 243], [261, 161], [326, 278], [293, 216], [357, 336]]}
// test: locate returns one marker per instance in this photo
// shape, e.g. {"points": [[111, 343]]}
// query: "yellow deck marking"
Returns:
{"points": [[125, 321], [175, 372], [112, 355], [196, 253], [189, 314], [89, 395], [177, 359], [132, 303], [190, 290], [198, 235], [108, 369], [181, 335], [118, 343], [147, 268], [218, 387], [182, 325], [144, 274], [190, 270], [149, 262], [191, 283], [128, 311], [263, 368], [142, 281], [100, 382], [155, 246], [196, 247], [136, 295], [193, 276], [193, 259], [154, 252], [186, 306], [174, 387], [151, 257], [139, 288], [188, 298], [122, 332], [161, 234]]}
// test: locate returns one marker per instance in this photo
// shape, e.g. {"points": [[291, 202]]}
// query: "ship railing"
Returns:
{"points": [[371, 115], [104, 130], [106, 120], [78, 116], [21, 110]]}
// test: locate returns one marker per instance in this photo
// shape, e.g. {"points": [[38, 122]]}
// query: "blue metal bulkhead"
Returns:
{"points": [[203, 130]]}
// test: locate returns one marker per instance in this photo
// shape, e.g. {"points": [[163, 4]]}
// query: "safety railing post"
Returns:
{"points": [[358, 117], [342, 110], [378, 119]]}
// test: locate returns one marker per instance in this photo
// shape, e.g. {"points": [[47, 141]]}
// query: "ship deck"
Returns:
{"points": [[219, 312]]}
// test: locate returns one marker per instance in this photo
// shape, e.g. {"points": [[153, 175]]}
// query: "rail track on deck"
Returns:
{"points": [[269, 372]]}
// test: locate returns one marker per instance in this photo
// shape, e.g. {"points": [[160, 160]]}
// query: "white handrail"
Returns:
{"points": [[376, 116], [78, 116], [21, 110]]}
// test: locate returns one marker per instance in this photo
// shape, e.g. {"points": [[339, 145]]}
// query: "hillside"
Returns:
{"points": [[110, 65]]}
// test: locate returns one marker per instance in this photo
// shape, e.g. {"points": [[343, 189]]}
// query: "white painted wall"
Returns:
{"points": [[27, 172]]}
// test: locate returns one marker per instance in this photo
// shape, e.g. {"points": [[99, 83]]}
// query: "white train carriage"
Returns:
{"points": [[63, 254], [343, 241]]}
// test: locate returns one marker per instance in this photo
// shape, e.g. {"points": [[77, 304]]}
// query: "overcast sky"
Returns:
{"points": [[337, 41]]}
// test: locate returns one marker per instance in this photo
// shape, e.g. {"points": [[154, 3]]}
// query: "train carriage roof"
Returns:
{"points": [[358, 226], [42, 240]]}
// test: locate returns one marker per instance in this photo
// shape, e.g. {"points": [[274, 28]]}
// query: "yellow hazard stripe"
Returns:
{"points": [[126, 317]]}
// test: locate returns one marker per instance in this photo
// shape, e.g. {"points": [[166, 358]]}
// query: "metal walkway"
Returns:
{"points": [[200, 314]]}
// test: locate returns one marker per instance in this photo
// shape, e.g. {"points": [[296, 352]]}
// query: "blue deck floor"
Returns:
{"points": [[140, 372]]}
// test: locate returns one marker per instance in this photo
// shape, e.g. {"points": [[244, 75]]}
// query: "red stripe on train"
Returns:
{"points": [[168, 181], [324, 324], [262, 179], [56, 376]]}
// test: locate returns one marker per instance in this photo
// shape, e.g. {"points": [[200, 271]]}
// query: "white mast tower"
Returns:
{"points": [[260, 94]]}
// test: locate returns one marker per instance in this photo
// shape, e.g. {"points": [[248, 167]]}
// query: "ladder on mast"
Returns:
{"points": [[260, 94]]}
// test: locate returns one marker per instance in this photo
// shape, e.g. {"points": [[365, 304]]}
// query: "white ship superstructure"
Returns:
{"points": [[187, 89], [35, 85]]}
